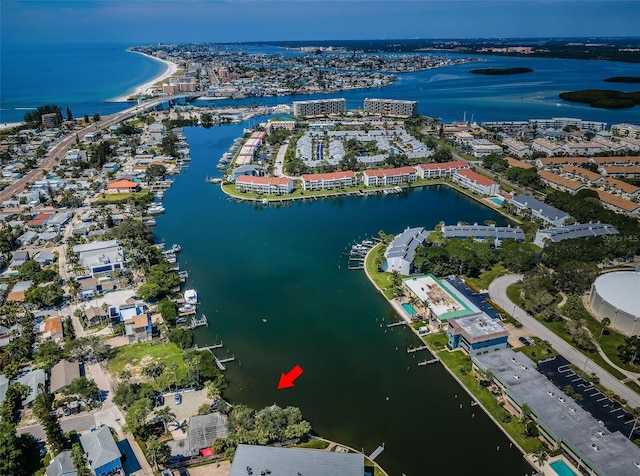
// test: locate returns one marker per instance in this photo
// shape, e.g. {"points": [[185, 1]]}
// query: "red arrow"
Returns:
{"points": [[286, 380]]}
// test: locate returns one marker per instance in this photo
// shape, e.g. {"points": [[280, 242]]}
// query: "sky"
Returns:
{"points": [[181, 21]]}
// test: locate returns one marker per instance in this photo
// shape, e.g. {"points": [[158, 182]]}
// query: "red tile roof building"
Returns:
{"points": [[389, 176], [123, 186], [561, 183], [329, 181], [264, 185], [475, 182], [443, 169]]}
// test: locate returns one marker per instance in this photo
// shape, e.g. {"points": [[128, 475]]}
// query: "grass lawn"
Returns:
{"points": [[376, 469], [314, 444], [608, 346], [382, 279], [122, 197], [135, 356], [460, 365], [483, 281], [537, 352]]}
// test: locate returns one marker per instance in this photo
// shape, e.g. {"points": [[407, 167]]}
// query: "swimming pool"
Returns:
{"points": [[496, 200], [409, 308], [562, 469]]}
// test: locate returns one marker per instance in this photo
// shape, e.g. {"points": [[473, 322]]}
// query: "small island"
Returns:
{"points": [[623, 79], [501, 71], [603, 98]]}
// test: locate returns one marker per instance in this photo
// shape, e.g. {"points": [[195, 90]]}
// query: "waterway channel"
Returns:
{"points": [[280, 264]]}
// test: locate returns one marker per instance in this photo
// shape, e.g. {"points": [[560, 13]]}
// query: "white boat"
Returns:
{"points": [[155, 209], [191, 296], [176, 248], [187, 308]]}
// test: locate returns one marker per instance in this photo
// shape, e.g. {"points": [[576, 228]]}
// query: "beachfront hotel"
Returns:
{"points": [[264, 185], [319, 107], [389, 107]]}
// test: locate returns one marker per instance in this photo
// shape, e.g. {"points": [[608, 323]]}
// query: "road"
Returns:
{"points": [[58, 151], [498, 293]]}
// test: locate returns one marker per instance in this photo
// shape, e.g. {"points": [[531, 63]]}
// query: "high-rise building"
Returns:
{"points": [[389, 107], [319, 107]]}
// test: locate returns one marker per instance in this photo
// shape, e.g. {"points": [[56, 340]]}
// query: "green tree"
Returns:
{"points": [[183, 338], [42, 409], [10, 453], [69, 114], [605, 323], [47, 354], [135, 419], [157, 452], [166, 415], [96, 117], [83, 387], [518, 257], [630, 350], [12, 403]]}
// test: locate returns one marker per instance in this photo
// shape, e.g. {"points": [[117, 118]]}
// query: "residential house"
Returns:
{"points": [[62, 374], [18, 291], [94, 316], [102, 452], [123, 186], [101, 256], [202, 430], [138, 326], [50, 329], [32, 378], [62, 465]]}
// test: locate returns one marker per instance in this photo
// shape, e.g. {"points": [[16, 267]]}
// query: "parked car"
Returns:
{"points": [[177, 398], [524, 340]]}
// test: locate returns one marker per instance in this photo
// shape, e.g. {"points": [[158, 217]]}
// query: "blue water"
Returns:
{"points": [[496, 200], [83, 76], [409, 308], [561, 468]]}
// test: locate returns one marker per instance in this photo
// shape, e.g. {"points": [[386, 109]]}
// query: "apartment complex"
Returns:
{"points": [[475, 182], [389, 176], [442, 169], [389, 107], [329, 181], [264, 185], [319, 107]]}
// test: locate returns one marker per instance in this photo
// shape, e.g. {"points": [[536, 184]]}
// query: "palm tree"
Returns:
{"points": [[166, 415], [606, 322], [540, 457]]}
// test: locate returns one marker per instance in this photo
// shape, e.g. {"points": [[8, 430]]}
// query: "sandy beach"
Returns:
{"points": [[146, 87]]}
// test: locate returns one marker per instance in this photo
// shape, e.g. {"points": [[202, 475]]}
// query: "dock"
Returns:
{"points": [[427, 362], [197, 322], [357, 254], [376, 452], [417, 349], [219, 362], [399, 323]]}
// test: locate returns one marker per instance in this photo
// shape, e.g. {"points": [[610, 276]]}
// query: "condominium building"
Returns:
{"points": [[389, 107], [561, 183], [329, 181], [579, 230], [538, 209], [442, 169], [319, 107], [51, 120], [626, 130], [389, 176], [264, 185], [475, 182], [483, 147], [517, 148]]}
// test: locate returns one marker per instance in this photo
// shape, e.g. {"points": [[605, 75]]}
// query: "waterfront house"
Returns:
{"points": [[138, 326], [256, 460], [202, 430], [264, 185], [329, 180], [384, 177], [475, 182], [101, 256], [556, 234], [102, 452], [123, 186], [442, 169], [477, 333], [401, 251], [538, 209]]}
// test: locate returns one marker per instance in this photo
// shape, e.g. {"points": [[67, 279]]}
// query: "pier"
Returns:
{"points": [[197, 322], [399, 323], [417, 349], [376, 452], [358, 253], [219, 362], [427, 362]]}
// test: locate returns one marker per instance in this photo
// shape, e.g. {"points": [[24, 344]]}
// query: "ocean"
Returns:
{"points": [[84, 76]]}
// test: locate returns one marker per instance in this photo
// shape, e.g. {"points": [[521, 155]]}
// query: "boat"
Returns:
{"points": [[176, 248], [191, 296], [155, 209], [187, 309]]}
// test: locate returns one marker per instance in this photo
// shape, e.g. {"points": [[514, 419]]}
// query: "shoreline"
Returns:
{"points": [[171, 69]]}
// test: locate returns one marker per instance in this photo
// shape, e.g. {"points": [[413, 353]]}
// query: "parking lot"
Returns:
{"points": [[609, 412], [191, 401]]}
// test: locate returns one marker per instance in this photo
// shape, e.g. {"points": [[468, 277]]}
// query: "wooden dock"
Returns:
{"points": [[399, 323], [197, 322], [427, 362], [417, 349]]}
